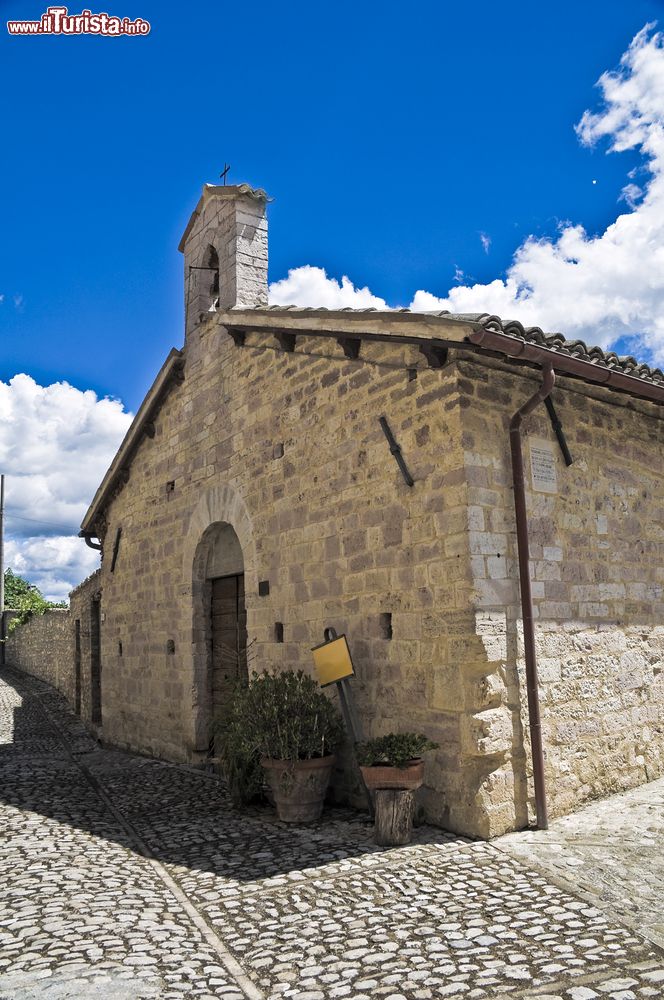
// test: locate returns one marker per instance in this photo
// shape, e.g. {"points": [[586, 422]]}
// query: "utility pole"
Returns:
{"points": [[2, 569], [2, 544]]}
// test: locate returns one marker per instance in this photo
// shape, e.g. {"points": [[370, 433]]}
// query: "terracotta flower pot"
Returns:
{"points": [[299, 787], [407, 778]]}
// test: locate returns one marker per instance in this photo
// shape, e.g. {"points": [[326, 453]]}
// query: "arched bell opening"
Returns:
{"points": [[211, 280]]}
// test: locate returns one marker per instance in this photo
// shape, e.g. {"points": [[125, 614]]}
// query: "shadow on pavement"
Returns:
{"points": [[51, 765]]}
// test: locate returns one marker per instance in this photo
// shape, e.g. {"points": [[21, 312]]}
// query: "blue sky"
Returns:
{"points": [[410, 147], [390, 138]]}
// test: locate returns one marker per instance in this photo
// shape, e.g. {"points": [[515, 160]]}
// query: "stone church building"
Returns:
{"points": [[292, 469]]}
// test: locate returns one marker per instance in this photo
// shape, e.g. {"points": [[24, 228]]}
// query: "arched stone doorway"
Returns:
{"points": [[219, 547], [219, 570]]}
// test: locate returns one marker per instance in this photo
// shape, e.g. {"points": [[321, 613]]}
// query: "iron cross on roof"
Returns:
{"points": [[223, 173]]}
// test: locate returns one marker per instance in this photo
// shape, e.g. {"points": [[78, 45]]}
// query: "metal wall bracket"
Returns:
{"points": [[558, 430], [116, 549], [396, 451]]}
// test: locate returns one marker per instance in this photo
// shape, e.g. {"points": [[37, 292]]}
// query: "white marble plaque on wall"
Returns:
{"points": [[543, 466]]}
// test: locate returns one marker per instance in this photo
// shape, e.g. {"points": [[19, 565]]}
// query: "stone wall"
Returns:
{"points": [[59, 646], [597, 566], [42, 647], [287, 448]]}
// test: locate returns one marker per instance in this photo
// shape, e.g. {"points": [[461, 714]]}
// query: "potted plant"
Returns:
{"points": [[285, 722], [394, 761], [392, 768], [235, 757]]}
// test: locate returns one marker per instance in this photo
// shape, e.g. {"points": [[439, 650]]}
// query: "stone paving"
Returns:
{"points": [[127, 878], [611, 853]]}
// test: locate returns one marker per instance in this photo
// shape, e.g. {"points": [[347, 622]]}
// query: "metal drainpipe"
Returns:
{"points": [[548, 380], [87, 537]]}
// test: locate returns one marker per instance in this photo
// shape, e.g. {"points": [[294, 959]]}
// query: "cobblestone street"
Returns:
{"points": [[127, 878]]}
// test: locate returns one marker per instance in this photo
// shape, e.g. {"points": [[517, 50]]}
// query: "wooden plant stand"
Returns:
{"points": [[395, 808]]}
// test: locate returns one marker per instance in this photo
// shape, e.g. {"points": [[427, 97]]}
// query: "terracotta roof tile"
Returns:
{"points": [[513, 328]]}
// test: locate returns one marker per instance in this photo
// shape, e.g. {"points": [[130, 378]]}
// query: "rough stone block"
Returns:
{"points": [[488, 732]]}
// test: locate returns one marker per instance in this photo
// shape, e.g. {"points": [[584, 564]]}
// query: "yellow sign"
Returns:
{"points": [[332, 661]]}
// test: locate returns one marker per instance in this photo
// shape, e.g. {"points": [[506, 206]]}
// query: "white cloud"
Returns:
{"points": [[486, 242], [310, 286], [55, 564], [631, 194], [599, 288], [56, 443]]}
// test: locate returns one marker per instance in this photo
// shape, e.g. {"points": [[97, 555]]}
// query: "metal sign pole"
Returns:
{"points": [[351, 718], [349, 710]]}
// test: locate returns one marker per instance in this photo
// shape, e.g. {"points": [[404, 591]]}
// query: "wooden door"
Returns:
{"points": [[229, 641], [95, 662], [77, 666]]}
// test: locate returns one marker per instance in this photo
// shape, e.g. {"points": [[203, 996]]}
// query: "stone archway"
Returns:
{"points": [[219, 544]]}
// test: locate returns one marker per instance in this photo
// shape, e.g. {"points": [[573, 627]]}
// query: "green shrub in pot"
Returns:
{"points": [[394, 761], [394, 749], [284, 723], [239, 761]]}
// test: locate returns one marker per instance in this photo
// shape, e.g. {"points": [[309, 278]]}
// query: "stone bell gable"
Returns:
{"points": [[225, 251]]}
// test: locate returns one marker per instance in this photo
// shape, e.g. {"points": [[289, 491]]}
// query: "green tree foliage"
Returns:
{"points": [[25, 598], [16, 589]]}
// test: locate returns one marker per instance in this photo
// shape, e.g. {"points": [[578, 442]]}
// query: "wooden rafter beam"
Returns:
{"points": [[239, 336], [285, 339], [436, 356], [437, 343], [350, 346]]}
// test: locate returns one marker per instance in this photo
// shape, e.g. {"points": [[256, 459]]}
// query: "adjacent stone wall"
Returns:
{"points": [[58, 646], [42, 647], [597, 549]]}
